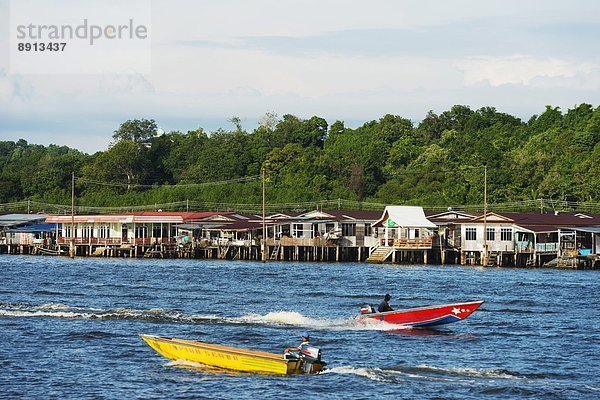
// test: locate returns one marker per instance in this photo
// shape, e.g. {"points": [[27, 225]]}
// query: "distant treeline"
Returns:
{"points": [[440, 161]]}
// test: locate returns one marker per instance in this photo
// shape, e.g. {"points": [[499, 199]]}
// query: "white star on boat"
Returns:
{"points": [[456, 310]]}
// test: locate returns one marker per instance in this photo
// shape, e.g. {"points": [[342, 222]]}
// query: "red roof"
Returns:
{"points": [[554, 219], [355, 214], [186, 215], [535, 221]]}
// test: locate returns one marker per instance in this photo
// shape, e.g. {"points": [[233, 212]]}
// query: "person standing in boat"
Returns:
{"points": [[305, 338], [385, 305]]}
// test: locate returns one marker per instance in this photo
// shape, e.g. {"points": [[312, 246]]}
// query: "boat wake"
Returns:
{"points": [[57, 310], [374, 374], [278, 318], [430, 373], [293, 318], [394, 374], [401, 374]]}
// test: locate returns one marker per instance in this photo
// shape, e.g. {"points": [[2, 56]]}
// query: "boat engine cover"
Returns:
{"points": [[311, 354]]}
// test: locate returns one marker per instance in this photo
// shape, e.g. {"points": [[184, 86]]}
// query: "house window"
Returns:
{"points": [[348, 229], [506, 234], [470, 234], [68, 231], [103, 232], [141, 232], [297, 230], [368, 230], [491, 234], [156, 231], [87, 231]]}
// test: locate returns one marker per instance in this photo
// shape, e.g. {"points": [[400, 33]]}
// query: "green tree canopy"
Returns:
{"points": [[136, 130], [437, 161]]}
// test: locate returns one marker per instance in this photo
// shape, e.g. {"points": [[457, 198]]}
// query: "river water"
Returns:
{"points": [[68, 329]]}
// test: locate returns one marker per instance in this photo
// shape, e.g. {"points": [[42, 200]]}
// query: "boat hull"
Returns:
{"points": [[231, 358], [426, 316]]}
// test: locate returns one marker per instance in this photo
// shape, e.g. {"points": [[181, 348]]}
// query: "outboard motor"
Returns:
{"points": [[367, 309], [309, 356]]}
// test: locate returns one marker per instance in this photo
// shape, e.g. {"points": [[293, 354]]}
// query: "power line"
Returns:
{"points": [[183, 185]]}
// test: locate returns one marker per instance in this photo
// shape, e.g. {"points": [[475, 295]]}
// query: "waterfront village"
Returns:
{"points": [[398, 234]]}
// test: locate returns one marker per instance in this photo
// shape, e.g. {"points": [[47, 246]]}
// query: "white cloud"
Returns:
{"points": [[523, 70], [219, 20], [209, 70]]}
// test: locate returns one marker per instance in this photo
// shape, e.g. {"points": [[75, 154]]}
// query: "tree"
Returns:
{"points": [[125, 162], [269, 120], [456, 118], [355, 159], [313, 132], [136, 130], [552, 117], [237, 122], [392, 127], [184, 151], [431, 127], [337, 128]]}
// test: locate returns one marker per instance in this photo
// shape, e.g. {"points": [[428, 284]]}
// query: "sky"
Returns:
{"points": [[346, 60]]}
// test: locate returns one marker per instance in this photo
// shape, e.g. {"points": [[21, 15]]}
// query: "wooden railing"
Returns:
{"points": [[290, 241], [407, 243], [528, 247], [117, 241], [546, 247]]}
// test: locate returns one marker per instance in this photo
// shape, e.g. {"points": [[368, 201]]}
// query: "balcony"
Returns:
{"points": [[528, 247], [116, 241], [306, 242], [408, 244], [546, 247]]}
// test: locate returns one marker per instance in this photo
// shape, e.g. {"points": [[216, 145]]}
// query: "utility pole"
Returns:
{"points": [[72, 238], [485, 246], [264, 224], [541, 206]]}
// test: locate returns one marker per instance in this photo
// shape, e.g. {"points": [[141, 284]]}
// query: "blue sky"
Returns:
{"points": [[348, 60]]}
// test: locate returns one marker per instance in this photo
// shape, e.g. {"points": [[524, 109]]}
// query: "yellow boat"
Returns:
{"points": [[233, 358]]}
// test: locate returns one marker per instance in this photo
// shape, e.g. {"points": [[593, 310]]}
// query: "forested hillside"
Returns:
{"points": [[439, 161]]}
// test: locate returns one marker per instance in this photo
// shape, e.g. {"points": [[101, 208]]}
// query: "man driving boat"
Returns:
{"points": [[385, 305], [304, 344]]}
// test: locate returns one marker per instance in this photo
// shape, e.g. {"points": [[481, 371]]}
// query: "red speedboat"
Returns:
{"points": [[423, 316]]}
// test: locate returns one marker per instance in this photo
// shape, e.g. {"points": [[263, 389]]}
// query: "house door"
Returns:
{"points": [[360, 235], [124, 234]]}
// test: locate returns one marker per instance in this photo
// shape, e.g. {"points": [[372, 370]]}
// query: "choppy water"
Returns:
{"points": [[68, 329]]}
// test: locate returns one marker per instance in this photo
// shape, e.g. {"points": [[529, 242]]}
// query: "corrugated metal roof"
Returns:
{"points": [[141, 217], [355, 214], [555, 219], [12, 220], [406, 217], [591, 229], [37, 228], [534, 221]]}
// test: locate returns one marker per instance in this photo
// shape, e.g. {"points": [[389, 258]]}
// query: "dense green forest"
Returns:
{"points": [[437, 162]]}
